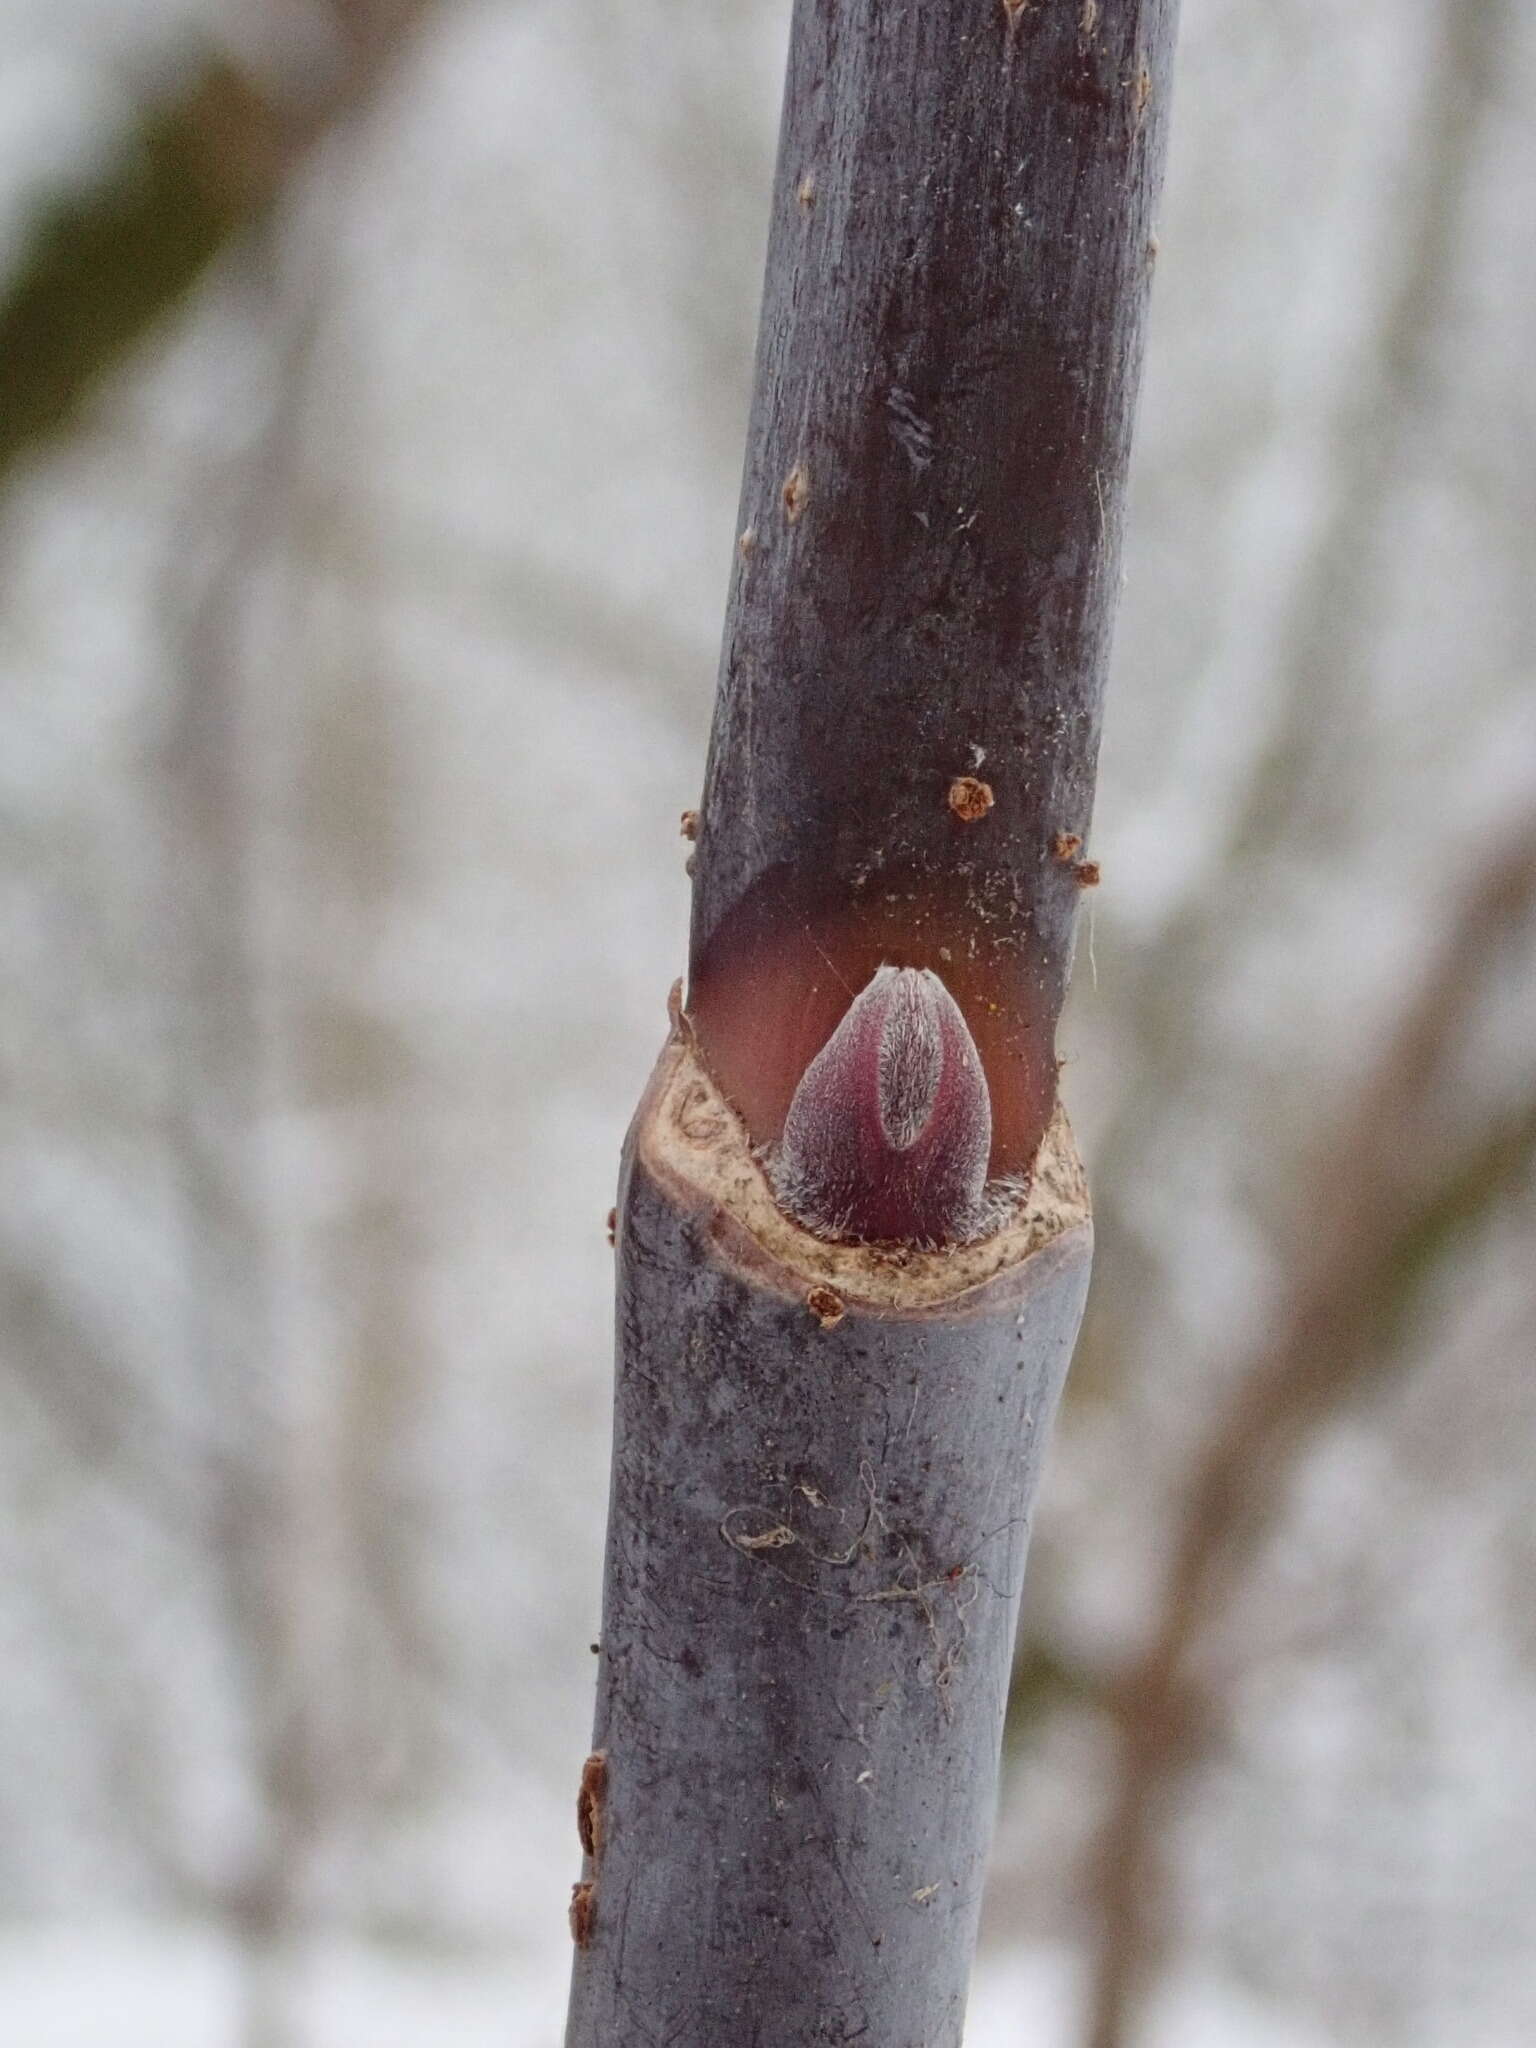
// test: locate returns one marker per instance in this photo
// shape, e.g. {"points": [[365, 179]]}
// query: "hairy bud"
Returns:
{"points": [[888, 1133]]}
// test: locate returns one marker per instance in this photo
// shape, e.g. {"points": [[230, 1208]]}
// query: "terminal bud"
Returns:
{"points": [[889, 1132]]}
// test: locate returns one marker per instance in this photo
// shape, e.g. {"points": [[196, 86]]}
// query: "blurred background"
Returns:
{"points": [[373, 378]]}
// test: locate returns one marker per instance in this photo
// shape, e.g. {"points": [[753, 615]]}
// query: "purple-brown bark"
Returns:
{"points": [[824, 1460], [828, 1439], [928, 554]]}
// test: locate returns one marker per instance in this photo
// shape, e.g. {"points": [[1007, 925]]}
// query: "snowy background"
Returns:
{"points": [[372, 389]]}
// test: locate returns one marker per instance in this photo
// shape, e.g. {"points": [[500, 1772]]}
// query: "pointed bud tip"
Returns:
{"points": [[889, 1131]]}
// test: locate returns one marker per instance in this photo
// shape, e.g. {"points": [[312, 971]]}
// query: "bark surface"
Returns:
{"points": [[824, 1461], [907, 724], [825, 1455]]}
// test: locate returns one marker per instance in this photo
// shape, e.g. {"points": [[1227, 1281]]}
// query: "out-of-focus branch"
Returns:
{"points": [[268, 1505], [1327, 625], [201, 169], [1387, 1194], [1320, 638], [554, 609], [58, 1364], [226, 1096]]}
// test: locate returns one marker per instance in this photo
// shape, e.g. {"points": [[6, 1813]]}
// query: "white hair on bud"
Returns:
{"points": [[911, 1057], [888, 1133]]}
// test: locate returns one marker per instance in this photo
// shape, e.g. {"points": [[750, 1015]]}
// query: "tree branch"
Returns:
{"points": [[1385, 1195]]}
